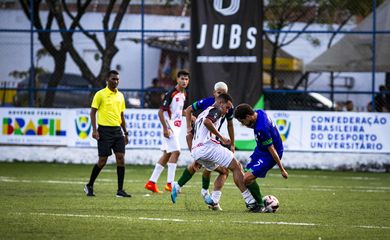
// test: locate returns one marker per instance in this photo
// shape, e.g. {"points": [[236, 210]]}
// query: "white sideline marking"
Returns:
{"points": [[185, 220], [317, 188], [325, 176]]}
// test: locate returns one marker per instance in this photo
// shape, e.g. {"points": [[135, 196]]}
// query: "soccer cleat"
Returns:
{"points": [[208, 200], [216, 207], [168, 187], [89, 190], [253, 207], [211, 204], [175, 192], [151, 186], [267, 209], [256, 208], [122, 193]]}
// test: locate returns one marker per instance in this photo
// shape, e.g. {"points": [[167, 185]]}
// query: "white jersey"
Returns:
{"points": [[201, 133], [173, 106], [206, 150]]}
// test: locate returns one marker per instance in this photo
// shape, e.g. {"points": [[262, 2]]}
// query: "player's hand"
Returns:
{"points": [[95, 134], [284, 173], [232, 147], [193, 118], [126, 139], [225, 140], [167, 132]]}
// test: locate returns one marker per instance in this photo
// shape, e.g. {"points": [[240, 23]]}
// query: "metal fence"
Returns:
{"points": [[151, 41]]}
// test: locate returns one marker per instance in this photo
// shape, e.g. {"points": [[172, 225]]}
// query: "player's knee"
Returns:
{"points": [[206, 174], [194, 167], [102, 162], [222, 171], [247, 181]]}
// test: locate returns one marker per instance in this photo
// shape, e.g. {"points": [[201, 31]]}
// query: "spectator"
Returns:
{"points": [[154, 95], [369, 106], [349, 106], [380, 100]]}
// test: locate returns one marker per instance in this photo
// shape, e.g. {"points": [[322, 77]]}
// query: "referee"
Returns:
{"points": [[109, 103]]}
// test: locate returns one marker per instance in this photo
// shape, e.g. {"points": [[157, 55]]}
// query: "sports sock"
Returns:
{"points": [[120, 171], [216, 196], [204, 192], [205, 182], [185, 177], [171, 172], [95, 172], [255, 191], [156, 172], [248, 198]]}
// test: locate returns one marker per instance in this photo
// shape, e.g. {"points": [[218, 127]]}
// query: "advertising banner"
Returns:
{"points": [[226, 46], [36, 126], [300, 131], [333, 131]]}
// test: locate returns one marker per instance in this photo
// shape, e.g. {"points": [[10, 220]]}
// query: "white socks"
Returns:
{"points": [[204, 192], [248, 197], [156, 172], [171, 172], [216, 196]]}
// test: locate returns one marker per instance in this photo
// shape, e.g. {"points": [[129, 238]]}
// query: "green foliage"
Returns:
{"points": [[46, 201]]}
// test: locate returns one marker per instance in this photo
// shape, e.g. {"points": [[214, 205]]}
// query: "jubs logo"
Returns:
{"points": [[83, 126], [232, 9]]}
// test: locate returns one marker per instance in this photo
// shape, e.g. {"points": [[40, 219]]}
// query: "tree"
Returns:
{"points": [[58, 11], [284, 14]]}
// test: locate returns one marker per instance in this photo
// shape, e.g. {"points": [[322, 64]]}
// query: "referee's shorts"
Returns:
{"points": [[110, 138]]}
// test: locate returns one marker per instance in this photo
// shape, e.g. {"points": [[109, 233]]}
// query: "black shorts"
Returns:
{"points": [[110, 138]]}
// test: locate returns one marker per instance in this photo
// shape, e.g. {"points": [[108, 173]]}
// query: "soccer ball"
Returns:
{"points": [[271, 201]]}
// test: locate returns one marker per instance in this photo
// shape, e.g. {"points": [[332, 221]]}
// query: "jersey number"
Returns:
{"points": [[196, 127]]}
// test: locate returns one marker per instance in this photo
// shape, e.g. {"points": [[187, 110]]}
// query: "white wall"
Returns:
{"points": [[15, 47]]}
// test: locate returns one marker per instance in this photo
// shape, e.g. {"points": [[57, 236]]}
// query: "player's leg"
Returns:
{"points": [[173, 147], [88, 188], [258, 167], [225, 158], [251, 184], [219, 182], [158, 168], [187, 174], [104, 150], [172, 164], [119, 151], [205, 183]]}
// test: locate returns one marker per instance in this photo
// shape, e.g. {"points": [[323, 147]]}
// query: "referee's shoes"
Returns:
{"points": [[122, 193]]}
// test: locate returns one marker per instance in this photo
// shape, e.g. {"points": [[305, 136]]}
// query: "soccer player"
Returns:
{"points": [[268, 151], [207, 151], [170, 114], [109, 104], [196, 108]]}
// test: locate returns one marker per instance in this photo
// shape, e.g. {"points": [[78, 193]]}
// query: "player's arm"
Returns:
{"points": [[163, 123], [163, 113], [123, 125], [231, 135], [208, 122], [275, 156], [188, 112], [92, 114]]}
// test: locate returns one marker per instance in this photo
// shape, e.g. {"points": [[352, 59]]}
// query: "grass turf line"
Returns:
{"points": [[46, 201]]}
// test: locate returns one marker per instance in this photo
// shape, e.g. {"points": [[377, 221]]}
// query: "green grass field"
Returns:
{"points": [[46, 201]]}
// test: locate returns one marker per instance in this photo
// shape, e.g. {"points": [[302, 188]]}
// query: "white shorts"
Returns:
{"points": [[170, 144], [211, 155]]}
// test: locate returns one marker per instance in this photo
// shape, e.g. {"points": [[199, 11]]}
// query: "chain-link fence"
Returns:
{"points": [[318, 55]]}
